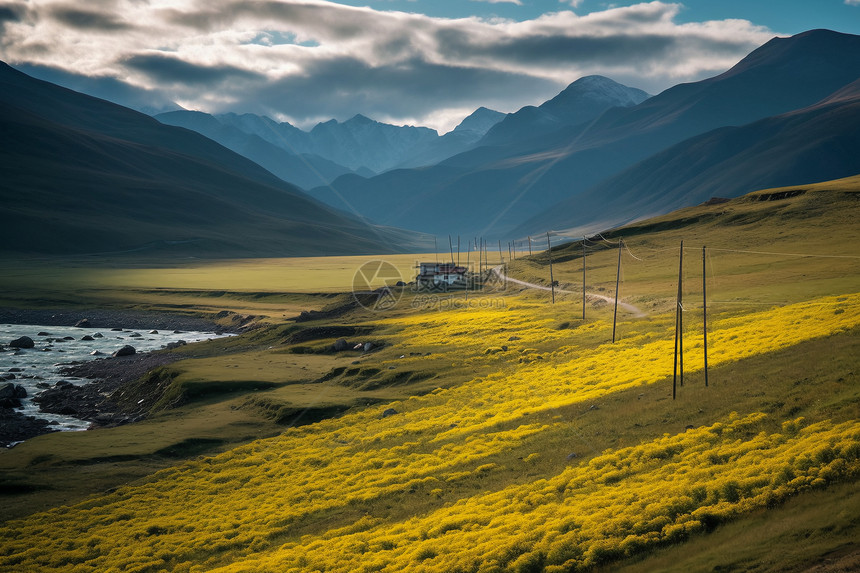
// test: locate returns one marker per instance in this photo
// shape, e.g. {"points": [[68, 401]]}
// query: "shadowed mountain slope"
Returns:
{"points": [[303, 170], [818, 143], [81, 175]]}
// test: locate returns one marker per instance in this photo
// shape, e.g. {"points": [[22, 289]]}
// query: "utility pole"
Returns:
{"points": [[678, 337], [705, 313], [551, 281], [583, 279], [617, 284]]}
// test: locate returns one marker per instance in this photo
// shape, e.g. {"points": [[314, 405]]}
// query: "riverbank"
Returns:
{"points": [[100, 318], [92, 402]]}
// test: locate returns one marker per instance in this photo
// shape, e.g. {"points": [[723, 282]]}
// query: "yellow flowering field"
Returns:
{"points": [[330, 496]]}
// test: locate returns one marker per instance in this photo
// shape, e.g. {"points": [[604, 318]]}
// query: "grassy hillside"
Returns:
{"points": [[524, 440]]}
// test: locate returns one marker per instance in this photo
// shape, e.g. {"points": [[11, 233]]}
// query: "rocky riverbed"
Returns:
{"points": [[86, 386]]}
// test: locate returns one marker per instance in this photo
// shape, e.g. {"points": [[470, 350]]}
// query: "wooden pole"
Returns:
{"points": [[451, 247], [617, 284], [551, 281], [583, 278], [469, 273], [458, 250], [530, 245], [677, 324], [481, 258], [705, 314], [681, 315], [435, 249], [510, 254], [501, 256], [486, 255]]}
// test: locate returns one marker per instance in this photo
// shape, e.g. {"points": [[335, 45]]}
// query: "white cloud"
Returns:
{"points": [[309, 59], [853, 2]]}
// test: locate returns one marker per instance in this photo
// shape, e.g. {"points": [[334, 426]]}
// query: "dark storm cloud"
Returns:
{"points": [[171, 70], [11, 13], [343, 86], [91, 20], [558, 49], [104, 87], [328, 19]]}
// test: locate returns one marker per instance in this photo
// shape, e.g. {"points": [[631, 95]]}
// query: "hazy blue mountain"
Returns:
{"points": [[494, 189], [465, 136], [582, 101], [282, 134], [363, 145], [817, 143], [479, 122], [305, 170], [363, 142], [82, 175]]}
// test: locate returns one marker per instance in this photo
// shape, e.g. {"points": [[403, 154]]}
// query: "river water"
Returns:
{"points": [[57, 346]]}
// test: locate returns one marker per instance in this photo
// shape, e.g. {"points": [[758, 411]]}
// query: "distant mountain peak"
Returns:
{"points": [[359, 119], [480, 121], [598, 88], [582, 101]]}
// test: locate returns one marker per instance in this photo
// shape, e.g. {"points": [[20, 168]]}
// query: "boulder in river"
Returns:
{"points": [[10, 395], [83, 323], [23, 342], [87, 338], [124, 351]]}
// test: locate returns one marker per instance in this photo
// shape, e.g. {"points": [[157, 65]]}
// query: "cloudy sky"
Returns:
{"points": [[418, 62]]}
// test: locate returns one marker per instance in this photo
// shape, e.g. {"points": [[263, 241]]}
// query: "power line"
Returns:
{"points": [[789, 254]]}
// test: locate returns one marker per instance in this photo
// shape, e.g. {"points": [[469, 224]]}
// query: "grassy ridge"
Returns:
{"points": [[477, 474]]}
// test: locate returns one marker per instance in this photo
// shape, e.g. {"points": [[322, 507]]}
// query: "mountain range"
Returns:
{"points": [[82, 175], [527, 183], [359, 145]]}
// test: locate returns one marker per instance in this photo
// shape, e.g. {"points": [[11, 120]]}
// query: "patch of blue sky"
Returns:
{"points": [[278, 38]]}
